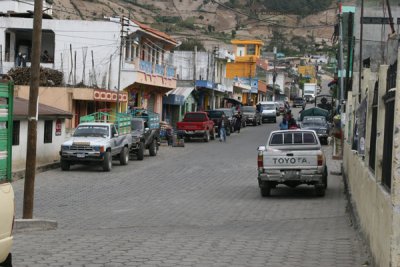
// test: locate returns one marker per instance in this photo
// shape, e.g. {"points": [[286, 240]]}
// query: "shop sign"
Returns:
{"points": [[108, 96]]}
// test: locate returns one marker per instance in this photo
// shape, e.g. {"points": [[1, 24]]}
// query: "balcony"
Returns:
{"points": [[155, 69]]}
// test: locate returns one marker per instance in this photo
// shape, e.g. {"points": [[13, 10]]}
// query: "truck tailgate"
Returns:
{"points": [[284, 160]]}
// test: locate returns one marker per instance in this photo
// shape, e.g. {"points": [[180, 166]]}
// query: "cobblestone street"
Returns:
{"points": [[194, 206]]}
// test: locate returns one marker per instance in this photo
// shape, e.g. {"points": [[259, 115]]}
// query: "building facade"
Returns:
{"points": [[243, 70]]}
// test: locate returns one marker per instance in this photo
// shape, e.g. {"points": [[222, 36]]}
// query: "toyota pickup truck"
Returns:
{"points": [[196, 125], [7, 214], [96, 142], [292, 158]]}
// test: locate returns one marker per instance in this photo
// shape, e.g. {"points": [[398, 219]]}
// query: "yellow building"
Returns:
{"points": [[308, 71], [247, 52]]}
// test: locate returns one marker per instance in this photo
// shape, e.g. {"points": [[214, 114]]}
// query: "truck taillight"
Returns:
{"points": [[320, 159], [260, 161]]}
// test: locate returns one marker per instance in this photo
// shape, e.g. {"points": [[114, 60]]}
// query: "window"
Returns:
{"points": [[298, 138], [288, 138], [48, 132], [251, 50], [309, 138], [276, 139], [240, 50], [15, 138]]}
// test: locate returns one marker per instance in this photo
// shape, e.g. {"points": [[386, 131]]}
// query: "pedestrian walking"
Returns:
{"points": [[284, 124], [238, 122], [221, 128]]}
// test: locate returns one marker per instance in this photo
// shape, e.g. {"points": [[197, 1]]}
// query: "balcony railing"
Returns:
{"points": [[152, 68]]}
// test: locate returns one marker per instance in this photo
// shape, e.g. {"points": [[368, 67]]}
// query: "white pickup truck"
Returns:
{"points": [[7, 212], [95, 142], [292, 158]]}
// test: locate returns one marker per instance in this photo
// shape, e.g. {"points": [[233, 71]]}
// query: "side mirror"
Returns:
{"points": [[261, 148], [146, 129], [116, 135]]}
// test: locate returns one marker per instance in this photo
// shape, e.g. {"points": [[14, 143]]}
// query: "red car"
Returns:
{"points": [[196, 125]]}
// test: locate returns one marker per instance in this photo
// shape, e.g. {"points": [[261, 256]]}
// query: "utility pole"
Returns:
{"points": [[274, 75], [361, 49], [341, 57], [120, 62], [30, 167], [194, 72], [213, 77]]}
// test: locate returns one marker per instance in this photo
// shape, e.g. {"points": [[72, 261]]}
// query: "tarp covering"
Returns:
{"points": [[315, 112]]}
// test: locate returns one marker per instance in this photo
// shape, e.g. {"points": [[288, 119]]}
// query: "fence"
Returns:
{"points": [[389, 100]]}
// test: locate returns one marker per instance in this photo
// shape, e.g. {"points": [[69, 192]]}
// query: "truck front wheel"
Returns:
{"points": [[107, 162], [64, 165], [140, 152], [124, 156], [153, 148]]}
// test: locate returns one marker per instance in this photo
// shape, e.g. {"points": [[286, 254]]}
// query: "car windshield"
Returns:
{"points": [[91, 130], [194, 117], [268, 106], [136, 125], [213, 114], [248, 109]]}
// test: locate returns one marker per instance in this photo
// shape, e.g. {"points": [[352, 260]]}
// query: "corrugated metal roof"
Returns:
{"points": [[21, 107], [184, 91]]}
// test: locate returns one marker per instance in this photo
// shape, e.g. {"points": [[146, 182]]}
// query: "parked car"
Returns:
{"points": [[230, 114], [319, 125], [292, 158], [268, 111], [216, 116], [97, 142], [7, 215], [253, 116], [196, 125], [299, 101]]}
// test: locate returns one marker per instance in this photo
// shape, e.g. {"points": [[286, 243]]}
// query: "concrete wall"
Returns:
{"points": [[376, 206], [372, 204], [46, 153]]}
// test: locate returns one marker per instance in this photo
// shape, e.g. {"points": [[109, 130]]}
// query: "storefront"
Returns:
{"points": [[176, 103]]}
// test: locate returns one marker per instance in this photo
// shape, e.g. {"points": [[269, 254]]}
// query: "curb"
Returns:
{"points": [[27, 225], [18, 175]]}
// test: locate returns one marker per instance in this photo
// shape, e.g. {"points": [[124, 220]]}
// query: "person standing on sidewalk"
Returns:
{"points": [[238, 122], [222, 130]]}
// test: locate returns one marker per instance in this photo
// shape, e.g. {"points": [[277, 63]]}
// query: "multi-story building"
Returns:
{"points": [[243, 70], [87, 53]]}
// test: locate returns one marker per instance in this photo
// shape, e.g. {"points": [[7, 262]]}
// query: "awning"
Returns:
{"points": [[177, 96], [333, 82], [235, 102]]}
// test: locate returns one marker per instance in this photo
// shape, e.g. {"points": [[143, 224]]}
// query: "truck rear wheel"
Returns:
{"points": [[319, 190], [207, 136], [124, 156], [65, 165], [153, 148], [107, 162], [265, 189], [140, 152]]}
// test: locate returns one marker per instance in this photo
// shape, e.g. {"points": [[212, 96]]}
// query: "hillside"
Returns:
{"points": [[213, 22]]}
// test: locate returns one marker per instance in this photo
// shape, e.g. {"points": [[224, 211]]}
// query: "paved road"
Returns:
{"points": [[193, 206]]}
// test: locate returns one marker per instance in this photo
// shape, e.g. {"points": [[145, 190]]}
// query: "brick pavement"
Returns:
{"points": [[193, 206]]}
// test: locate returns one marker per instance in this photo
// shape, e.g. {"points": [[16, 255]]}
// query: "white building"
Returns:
{"points": [[51, 133]]}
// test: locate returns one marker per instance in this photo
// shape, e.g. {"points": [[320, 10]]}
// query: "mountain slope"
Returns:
{"points": [[214, 22]]}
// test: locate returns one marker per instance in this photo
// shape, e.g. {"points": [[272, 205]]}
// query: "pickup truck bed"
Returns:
{"points": [[292, 158]]}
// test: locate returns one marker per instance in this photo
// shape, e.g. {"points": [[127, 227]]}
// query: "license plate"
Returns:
{"points": [[80, 155], [291, 174]]}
